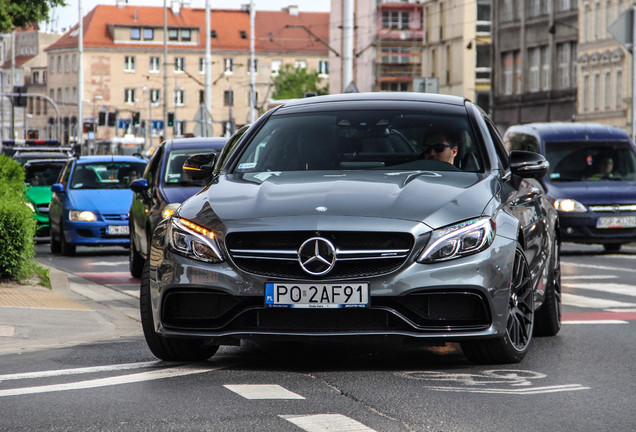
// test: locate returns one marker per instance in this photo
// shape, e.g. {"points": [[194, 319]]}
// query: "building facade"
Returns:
{"points": [[535, 45], [124, 58], [604, 66]]}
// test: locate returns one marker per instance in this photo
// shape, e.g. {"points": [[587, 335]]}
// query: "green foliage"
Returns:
{"points": [[292, 83], [22, 13], [17, 225]]}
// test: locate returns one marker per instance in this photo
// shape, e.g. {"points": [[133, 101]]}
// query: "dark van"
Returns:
{"points": [[591, 180]]}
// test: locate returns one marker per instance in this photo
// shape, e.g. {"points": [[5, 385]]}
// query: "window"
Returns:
{"points": [[35, 77], [534, 8], [483, 16], [276, 65], [179, 97], [228, 98], [179, 127], [563, 5], [129, 63], [179, 64], [52, 68], [129, 96], [74, 62], [155, 65], [395, 55], [59, 95], [586, 92], [546, 79], [249, 65], [201, 65], [449, 64], [173, 34], [75, 94], [533, 69], [201, 97], [618, 89], [213, 34], [228, 65], [395, 87], [149, 34], [300, 64], [67, 95], [597, 91], [243, 34], [135, 33], [323, 67], [155, 96], [563, 65], [482, 62], [67, 66], [607, 92], [395, 20], [518, 76], [186, 35], [59, 64]]}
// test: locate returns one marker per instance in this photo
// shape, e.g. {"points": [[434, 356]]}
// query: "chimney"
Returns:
{"points": [[292, 10], [175, 6], [122, 3]]}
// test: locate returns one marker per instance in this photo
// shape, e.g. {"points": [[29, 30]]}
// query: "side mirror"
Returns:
{"points": [[527, 164], [199, 166], [139, 185], [57, 188]]}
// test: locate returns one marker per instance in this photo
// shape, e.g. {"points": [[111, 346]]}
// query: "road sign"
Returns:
{"points": [[622, 29]]}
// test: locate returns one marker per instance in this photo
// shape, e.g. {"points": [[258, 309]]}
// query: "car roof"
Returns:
{"points": [[46, 161], [214, 143], [570, 131], [107, 158]]}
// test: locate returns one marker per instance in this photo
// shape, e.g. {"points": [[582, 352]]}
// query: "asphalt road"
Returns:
{"points": [[581, 380]]}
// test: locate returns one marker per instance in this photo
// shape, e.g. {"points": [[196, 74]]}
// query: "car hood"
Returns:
{"points": [[179, 194], [38, 194], [435, 198], [595, 193], [104, 201]]}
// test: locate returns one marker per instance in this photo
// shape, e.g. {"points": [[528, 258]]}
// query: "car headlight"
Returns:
{"points": [[169, 210], [569, 205], [194, 241], [82, 215], [30, 205], [459, 240]]}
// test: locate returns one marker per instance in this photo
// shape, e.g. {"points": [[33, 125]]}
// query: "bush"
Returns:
{"points": [[17, 225]]}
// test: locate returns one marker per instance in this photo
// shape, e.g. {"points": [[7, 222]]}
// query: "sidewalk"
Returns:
{"points": [[74, 311]]}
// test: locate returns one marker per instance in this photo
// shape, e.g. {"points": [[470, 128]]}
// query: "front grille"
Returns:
{"points": [[613, 208], [43, 208], [116, 217], [359, 254]]}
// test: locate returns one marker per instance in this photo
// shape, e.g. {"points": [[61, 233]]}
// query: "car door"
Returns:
{"points": [[56, 207], [143, 203]]}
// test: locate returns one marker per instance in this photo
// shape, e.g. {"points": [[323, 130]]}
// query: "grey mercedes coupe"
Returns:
{"points": [[353, 216]]}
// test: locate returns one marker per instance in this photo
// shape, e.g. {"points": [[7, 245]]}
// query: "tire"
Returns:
{"points": [[67, 249], [513, 345], [612, 247], [135, 260], [547, 319], [54, 243], [168, 349]]}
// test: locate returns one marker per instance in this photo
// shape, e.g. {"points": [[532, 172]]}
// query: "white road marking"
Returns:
{"points": [[517, 391], [621, 310], [599, 267], [262, 391], [86, 370], [327, 422], [589, 277], [109, 263], [596, 322], [612, 288], [589, 302], [7, 331], [106, 382]]}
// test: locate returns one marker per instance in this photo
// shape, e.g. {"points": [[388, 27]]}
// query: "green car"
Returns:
{"points": [[40, 174]]}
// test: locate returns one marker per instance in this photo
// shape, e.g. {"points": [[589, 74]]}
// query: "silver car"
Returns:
{"points": [[377, 215]]}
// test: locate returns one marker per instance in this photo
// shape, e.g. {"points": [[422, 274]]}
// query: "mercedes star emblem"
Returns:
{"points": [[317, 256]]}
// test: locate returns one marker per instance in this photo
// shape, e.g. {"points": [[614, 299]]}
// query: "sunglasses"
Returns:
{"points": [[438, 148]]}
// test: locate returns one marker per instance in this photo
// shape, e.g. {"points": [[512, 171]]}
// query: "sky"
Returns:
{"points": [[67, 16]]}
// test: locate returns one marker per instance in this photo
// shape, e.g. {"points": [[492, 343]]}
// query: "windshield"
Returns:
{"points": [[173, 177], [106, 175], [43, 174], [362, 140], [595, 161]]}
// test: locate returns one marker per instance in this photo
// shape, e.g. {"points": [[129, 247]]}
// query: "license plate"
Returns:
{"points": [[117, 229], [317, 295], [616, 222]]}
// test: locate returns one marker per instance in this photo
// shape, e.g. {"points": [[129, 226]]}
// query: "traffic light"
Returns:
{"points": [[171, 119], [19, 101], [101, 119], [135, 118], [112, 118]]}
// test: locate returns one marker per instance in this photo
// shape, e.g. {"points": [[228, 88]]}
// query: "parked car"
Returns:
{"points": [[161, 191], [331, 219], [591, 180], [40, 175], [90, 203], [25, 154]]}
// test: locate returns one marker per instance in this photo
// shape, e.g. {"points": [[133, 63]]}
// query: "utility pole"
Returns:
{"points": [[165, 70], [208, 73], [80, 78], [347, 45], [252, 65]]}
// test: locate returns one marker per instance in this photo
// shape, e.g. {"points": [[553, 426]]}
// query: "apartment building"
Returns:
{"points": [[457, 48], [23, 64], [604, 66], [535, 45], [123, 67]]}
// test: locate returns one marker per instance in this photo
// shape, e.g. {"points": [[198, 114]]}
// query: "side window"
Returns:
{"points": [[152, 170], [66, 174], [521, 141], [499, 147], [229, 148]]}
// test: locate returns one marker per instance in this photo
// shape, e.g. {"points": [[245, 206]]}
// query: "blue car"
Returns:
{"points": [[591, 180], [90, 202], [162, 189]]}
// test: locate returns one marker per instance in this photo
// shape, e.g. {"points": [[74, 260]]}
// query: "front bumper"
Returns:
{"points": [[94, 233], [582, 228]]}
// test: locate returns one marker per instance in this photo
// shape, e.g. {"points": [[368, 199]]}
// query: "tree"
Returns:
{"points": [[294, 83], [22, 13]]}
